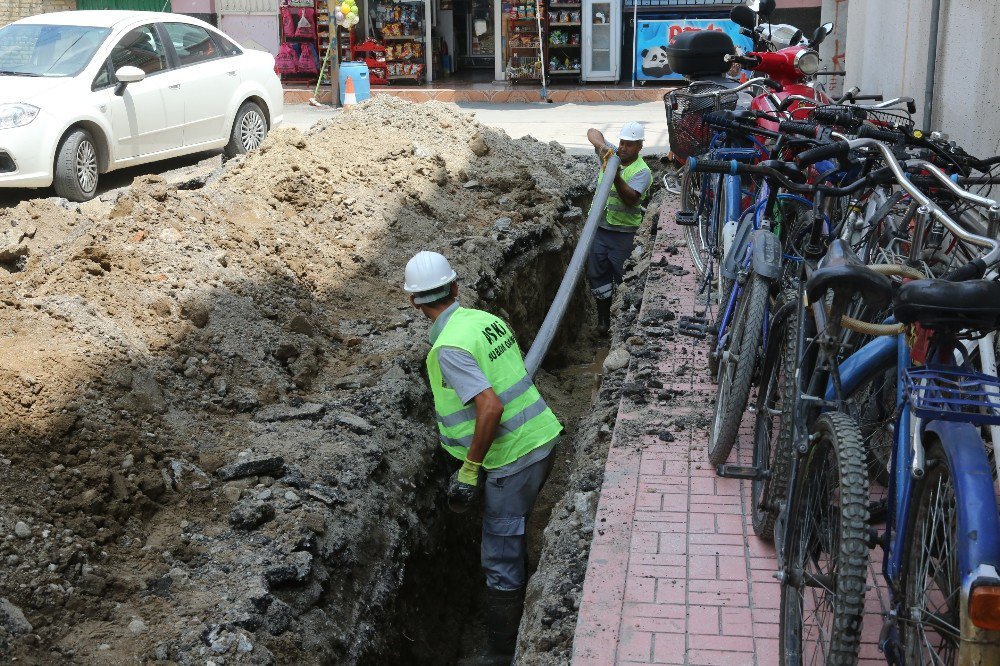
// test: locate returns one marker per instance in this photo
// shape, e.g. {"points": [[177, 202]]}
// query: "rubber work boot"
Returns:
{"points": [[503, 617], [603, 315]]}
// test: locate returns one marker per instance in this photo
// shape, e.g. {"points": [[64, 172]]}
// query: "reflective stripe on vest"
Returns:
{"points": [[617, 212], [526, 422]]}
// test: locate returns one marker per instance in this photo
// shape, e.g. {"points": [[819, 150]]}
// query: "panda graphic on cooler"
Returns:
{"points": [[654, 62]]}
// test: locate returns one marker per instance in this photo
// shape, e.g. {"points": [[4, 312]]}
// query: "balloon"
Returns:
{"points": [[345, 7], [340, 15]]}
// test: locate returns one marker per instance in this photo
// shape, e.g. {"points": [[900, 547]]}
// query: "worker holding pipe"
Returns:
{"points": [[622, 216], [491, 418]]}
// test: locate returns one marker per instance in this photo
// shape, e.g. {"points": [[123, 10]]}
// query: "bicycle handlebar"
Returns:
{"points": [[927, 204]]}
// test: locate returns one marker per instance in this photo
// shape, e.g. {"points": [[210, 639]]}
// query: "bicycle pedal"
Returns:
{"points": [[741, 472], [686, 218], [694, 327]]}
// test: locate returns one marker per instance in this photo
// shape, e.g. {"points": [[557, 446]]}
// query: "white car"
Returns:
{"points": [[87, 92]]}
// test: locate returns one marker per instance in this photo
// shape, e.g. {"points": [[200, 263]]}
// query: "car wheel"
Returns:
{"points": [[76, 167], [249, 130]]}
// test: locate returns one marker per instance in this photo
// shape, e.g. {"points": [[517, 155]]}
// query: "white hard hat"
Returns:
{"points": [[632, 131], [428, 272]]}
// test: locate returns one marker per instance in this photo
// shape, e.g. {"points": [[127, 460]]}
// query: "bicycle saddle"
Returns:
{"points": [[936, 304], [842, 271]]}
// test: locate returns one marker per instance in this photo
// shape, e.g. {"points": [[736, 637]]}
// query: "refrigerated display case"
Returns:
{"points": [[601, 40]]}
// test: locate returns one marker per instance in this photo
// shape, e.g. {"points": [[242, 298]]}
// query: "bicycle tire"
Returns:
{"points": [[838, 442], [696, 235], [777, 387], [713, 359], [925, 526], [736, 373]]}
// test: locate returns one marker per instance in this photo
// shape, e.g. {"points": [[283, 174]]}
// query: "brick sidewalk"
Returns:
{"points": [[676, 575]]}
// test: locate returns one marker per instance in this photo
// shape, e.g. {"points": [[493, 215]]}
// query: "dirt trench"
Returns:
{"points": [[215, 432]]}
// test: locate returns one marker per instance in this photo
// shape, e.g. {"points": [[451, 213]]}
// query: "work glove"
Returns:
{"points": [[462, 487], [606, 154]]}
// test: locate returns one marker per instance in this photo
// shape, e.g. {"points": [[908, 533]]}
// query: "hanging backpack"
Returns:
{"points": [[285, 63], [305, 25], [287, 22], [307, 61]]}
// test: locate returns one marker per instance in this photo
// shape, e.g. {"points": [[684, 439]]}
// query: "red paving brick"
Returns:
{"points": [[676, 575]]}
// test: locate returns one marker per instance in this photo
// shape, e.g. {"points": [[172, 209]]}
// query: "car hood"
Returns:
{"points": [[29, 88]]}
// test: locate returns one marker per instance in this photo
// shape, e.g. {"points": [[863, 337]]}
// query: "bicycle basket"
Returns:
{"points": [[689, 135], [851, 118], [947, 393]]}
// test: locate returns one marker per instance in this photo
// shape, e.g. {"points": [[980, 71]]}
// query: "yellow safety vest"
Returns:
{"points": [[617, 212], [527, 422]]}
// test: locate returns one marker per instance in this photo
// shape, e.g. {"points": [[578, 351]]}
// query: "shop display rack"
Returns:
{"points": [[401, 25], [564, 41]]}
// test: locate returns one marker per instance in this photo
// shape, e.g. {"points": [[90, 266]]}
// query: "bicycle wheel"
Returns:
{"points": [[932, 583], [736, 365], [772, 428], [697, 235], [713, 357], [877, 404], [826, 551]]}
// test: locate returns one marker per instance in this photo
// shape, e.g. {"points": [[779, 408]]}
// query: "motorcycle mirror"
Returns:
{"points": [[743, 16], [821, 33]]}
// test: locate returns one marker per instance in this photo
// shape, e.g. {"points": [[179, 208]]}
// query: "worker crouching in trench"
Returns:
{"points": [[491, 418]]}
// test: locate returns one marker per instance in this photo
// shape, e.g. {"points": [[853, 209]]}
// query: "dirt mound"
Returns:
{"points": [[214, 432]]}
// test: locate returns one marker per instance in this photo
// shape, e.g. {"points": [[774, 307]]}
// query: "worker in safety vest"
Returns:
{"points": [[621, 218], [490, 417]]}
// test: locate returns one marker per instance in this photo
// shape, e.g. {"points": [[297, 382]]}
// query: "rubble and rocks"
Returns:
{"points": [[152, 337]]}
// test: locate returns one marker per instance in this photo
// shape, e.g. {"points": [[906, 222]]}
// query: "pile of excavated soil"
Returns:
{"points": [[215, 433]]}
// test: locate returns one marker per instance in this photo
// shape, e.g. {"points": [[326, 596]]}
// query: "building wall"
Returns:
{"points": [[887, 45], [12, 10]]}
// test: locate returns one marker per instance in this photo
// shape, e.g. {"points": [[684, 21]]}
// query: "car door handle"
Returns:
{"points": [[175, 86], [232, 73]]}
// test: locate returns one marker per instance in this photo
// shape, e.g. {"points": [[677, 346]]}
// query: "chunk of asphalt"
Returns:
{"points": [[255, 467]]}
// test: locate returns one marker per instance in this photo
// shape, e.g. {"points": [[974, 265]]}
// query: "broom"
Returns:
{"points": [[322, 73]]}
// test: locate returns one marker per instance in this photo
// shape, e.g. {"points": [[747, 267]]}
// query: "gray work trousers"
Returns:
{"points": [[606, 264], [507, 504]]}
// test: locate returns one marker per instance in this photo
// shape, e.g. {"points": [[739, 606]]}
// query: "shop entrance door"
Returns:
{"points": [[475, 39]]}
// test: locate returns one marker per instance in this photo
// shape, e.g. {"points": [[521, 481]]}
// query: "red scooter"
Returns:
{"points": [[781, 54]]}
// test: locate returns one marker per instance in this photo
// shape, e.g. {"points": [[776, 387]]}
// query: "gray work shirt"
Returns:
{"points": [[463, 374], [639, 182]]}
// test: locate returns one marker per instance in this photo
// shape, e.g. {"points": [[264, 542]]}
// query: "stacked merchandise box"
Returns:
{"points": [[564, 42], [299, 56], [523, 57], [401, 26]]}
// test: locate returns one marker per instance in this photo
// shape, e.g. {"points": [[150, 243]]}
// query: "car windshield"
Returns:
{"points": [[47, 50]]}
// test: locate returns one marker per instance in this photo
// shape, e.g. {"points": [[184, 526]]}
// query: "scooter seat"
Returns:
{"points": [[842, 271]]}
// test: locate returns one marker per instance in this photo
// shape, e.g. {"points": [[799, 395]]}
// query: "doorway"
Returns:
{"points": [[475, 40]]}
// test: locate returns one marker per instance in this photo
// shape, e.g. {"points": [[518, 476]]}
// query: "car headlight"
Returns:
{"points": [[16, 115], [807, 62]]}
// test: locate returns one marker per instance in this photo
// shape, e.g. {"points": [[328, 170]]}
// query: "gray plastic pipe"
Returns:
{"points": [[547, 332]]}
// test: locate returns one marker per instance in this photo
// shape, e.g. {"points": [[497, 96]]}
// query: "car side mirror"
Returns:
{"points": [[127, 75], [821, 34], [743, 16]]}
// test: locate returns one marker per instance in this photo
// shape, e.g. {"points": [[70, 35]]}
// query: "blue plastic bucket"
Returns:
{"points": [[358, 71]]}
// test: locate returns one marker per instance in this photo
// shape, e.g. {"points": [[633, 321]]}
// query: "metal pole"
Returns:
{"points": [[931, 64], [635, 36], [335, 68], [547, 331]]}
